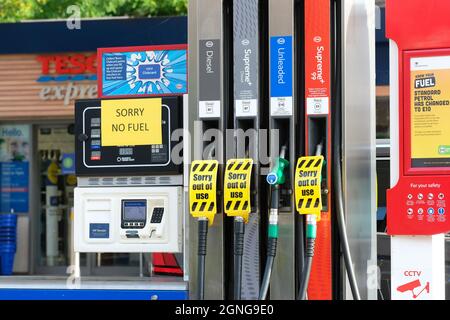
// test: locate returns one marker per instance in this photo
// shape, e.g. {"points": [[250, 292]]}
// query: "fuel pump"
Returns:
{"points": [[120, 204], [207, 121], [243, 140], [284, 43]]}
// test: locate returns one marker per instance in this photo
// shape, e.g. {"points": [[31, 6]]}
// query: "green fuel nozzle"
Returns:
{"points": [[275, 178], [276, 175]]}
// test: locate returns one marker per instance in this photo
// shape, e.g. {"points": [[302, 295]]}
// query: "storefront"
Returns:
{"points": [[43, 70]]}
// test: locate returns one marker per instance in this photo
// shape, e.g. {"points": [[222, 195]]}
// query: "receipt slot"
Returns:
{"points": [[417, 203]]}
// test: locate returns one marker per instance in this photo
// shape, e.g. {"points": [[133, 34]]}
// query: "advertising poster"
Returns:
{"points": [[430, 112], [14, 166], [126, 72]]}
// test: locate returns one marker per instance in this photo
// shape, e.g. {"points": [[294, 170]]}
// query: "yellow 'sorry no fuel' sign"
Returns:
{"points": [[131, 122]]}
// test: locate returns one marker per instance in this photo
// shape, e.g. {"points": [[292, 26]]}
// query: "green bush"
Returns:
{"points": [[16, 10]]}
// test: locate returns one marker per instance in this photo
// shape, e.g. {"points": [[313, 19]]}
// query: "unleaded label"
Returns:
{"points": [[281, 102]]}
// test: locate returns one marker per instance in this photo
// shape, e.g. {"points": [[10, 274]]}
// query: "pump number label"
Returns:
{"points": [[202, 189], [308, 175], [237, 188]]}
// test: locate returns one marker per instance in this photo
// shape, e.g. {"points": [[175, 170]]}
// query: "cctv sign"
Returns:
{"points": [[414, 270], [413, 286]]}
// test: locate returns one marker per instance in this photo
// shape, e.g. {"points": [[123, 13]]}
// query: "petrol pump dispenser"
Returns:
{"points": [[417, 216], [207, 121], [246, 82], [283, 39], [129, 196], [318, 122]]}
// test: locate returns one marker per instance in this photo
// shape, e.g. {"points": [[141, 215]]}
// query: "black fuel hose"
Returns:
{"points": [[337, 179], [202, 241], [271, 245], [309, 254], [342, 227], [239, 230]]}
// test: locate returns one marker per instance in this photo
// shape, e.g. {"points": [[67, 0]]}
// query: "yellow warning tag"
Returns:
{"points": [[238, 174], [202, 189], [308, 175]]}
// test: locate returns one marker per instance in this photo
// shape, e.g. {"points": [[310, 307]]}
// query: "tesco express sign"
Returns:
{"points": [[68, 77]]}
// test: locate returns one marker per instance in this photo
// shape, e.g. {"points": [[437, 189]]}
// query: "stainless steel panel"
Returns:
{"points": [[282, 285], [204, 22], [359, 143], [281, 17]]}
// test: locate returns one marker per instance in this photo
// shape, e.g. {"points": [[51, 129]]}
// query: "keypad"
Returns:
{"points": [[157, 215]]}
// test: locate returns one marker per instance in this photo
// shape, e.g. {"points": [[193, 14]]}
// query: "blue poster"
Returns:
{"points": [[14, 180], [14, 168], [143, 73]]}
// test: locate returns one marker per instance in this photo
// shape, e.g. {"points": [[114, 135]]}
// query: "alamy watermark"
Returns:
{"points": [[73, 22]]}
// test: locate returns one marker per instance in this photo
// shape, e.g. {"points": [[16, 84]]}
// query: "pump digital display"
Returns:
{"points": [[134, 210], [430, 112]]}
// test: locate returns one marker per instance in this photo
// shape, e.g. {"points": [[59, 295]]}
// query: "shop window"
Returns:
{"points": [[55, 147]]}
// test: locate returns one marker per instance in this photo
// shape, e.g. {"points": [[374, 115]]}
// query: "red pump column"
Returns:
{"points": [[318, 129]]}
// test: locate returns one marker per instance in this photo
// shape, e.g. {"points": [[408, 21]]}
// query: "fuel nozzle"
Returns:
{"points": [[276, 175], [275, 178]]}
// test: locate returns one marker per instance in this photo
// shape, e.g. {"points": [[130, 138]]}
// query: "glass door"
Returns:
{"points": [[55, 148]]}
